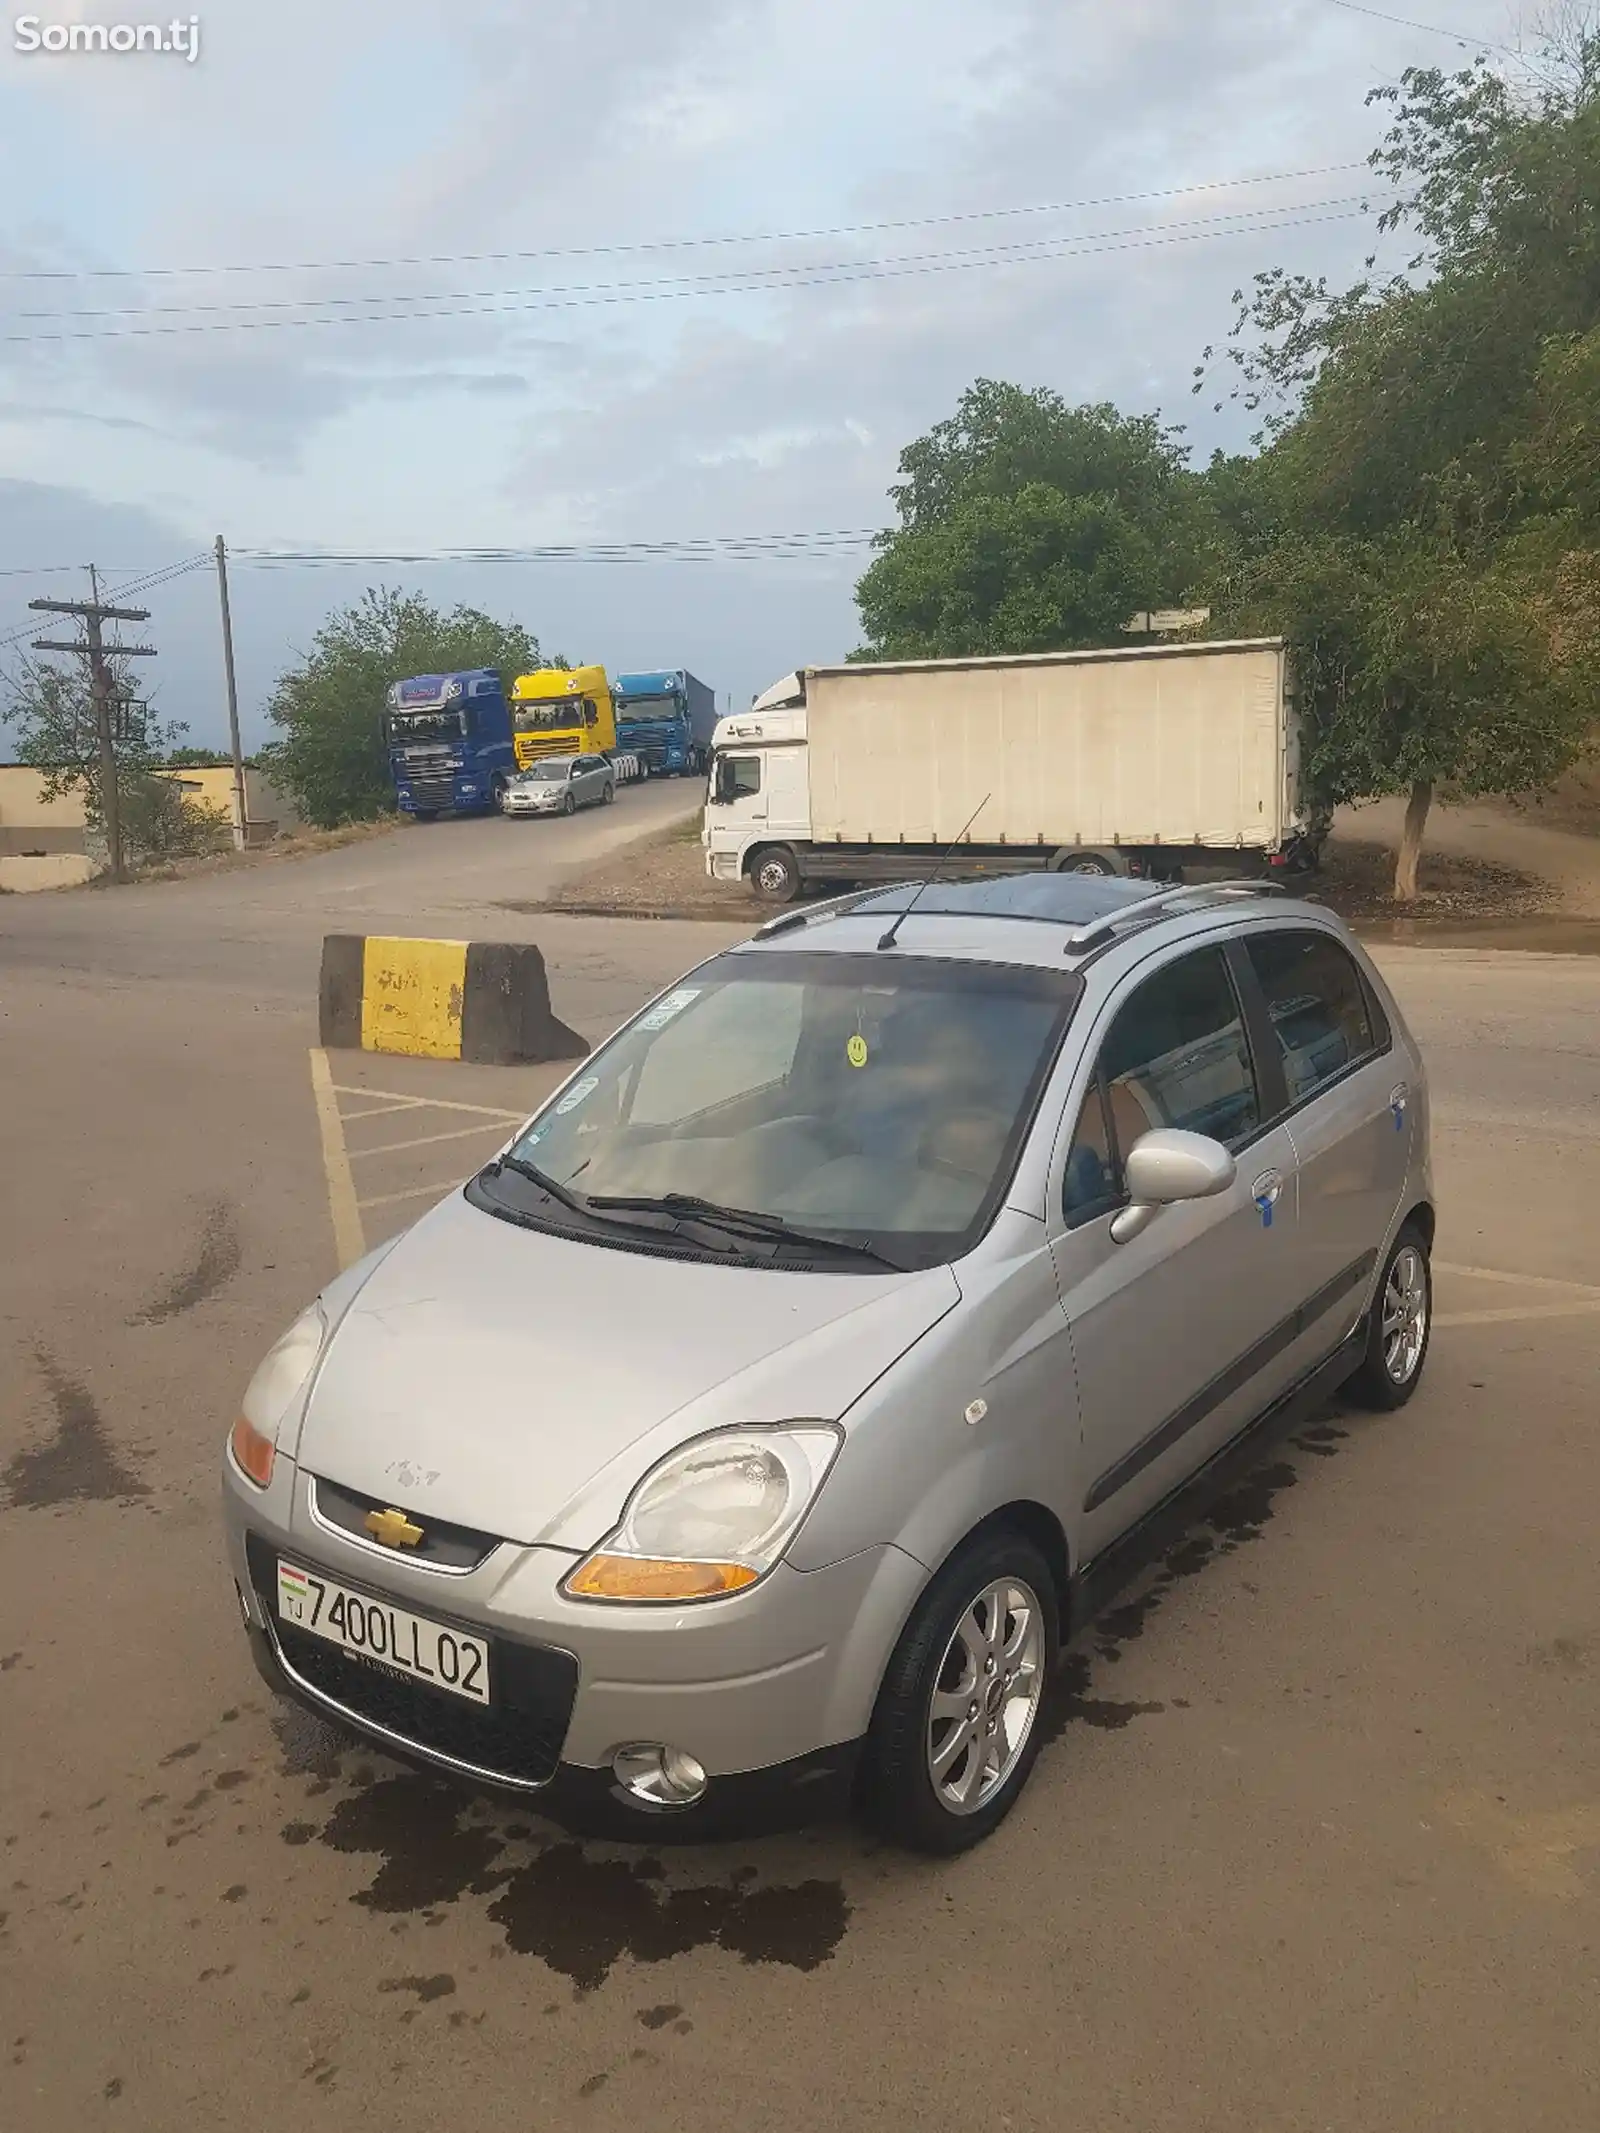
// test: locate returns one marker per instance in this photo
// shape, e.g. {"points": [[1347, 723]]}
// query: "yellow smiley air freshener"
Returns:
{"points": [[856, 1050]]}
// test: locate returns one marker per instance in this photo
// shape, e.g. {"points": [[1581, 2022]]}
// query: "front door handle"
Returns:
{"points": [[1399, 1097], [1266, 1192]]}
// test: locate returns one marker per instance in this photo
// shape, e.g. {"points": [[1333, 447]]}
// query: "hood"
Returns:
{"points": [[518, 1383]]}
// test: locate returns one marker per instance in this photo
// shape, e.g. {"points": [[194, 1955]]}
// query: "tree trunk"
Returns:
{"points": [[1405, 866]]}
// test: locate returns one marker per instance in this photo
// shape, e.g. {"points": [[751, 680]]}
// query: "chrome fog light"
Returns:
{"points": [[659, 1776]]}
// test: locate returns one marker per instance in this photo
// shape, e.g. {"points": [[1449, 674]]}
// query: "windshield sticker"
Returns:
{"points": [[856, 1050], [580, 1092], [674, 1004]]}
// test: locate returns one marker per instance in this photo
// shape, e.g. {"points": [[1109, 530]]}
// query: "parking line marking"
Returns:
{"points": [[1515, 1316], [349, 1238], [408, 1103], [412, 1192], [433, 1103], [1537, 1281], [426, 1140]]}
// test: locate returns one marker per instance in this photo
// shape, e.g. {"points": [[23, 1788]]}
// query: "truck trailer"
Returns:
{"points": [[1166, 761]]}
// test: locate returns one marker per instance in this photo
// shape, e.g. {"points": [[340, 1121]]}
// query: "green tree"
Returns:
{"points": [[1430, 457], [329, 709], [1030, 525], [1418, 667], [50, 711]]}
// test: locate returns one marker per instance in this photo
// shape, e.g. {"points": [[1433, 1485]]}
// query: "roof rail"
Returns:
{"points": [[830, 907], [1149, 908]]}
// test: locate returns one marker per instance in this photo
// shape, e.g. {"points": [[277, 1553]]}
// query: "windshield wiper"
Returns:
{"points": [[535, 1176], [745, 1221]]}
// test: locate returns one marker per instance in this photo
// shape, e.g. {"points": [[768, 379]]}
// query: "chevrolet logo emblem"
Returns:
{"points": [[393, 1529]]}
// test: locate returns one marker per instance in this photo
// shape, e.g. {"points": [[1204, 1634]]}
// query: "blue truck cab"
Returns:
{"points": [[665, 718], [449, 742]]}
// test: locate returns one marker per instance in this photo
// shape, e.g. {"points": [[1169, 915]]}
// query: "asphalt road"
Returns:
{"points": [[1316, 1843]]}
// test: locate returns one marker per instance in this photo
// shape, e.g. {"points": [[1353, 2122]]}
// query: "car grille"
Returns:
{"points": [[442, 1546], [531, 750], [519, 1740], [652, 751], [431, 774]]}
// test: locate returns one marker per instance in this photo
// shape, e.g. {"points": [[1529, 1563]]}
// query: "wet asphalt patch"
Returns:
{"points": [[214, 1263], [79, 1463]]}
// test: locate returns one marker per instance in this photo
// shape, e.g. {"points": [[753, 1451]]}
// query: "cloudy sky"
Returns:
{"points": [[465, 274]]}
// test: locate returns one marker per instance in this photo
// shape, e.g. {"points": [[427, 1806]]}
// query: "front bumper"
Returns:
{"points": [[770, 1691]]}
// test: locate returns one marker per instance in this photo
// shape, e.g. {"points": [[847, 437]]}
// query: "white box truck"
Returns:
{"points": [[1168, 761]]}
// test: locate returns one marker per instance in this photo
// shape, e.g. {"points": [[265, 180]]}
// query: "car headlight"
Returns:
{"points": [[712, 1518], [272, 1392]]}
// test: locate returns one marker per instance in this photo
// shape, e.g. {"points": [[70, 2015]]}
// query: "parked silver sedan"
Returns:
{"points": [[560, 785], [747, 1437]]}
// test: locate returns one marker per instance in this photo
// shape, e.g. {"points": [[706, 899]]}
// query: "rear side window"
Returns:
{"points": [[1321, 1012]]}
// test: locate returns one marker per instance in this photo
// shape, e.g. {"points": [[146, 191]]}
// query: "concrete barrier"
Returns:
{"points": [[23, 873], [486, 1002]]}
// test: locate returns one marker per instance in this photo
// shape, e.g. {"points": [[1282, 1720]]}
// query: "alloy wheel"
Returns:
{"points": [[1405, 1314], [986, 1697]]}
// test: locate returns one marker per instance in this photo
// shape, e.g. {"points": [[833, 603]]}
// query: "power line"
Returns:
{"points": [[980, 255], [825, 277], [1432, 29], [731, 547], [671, 244], [152, 581], [710, 548]]}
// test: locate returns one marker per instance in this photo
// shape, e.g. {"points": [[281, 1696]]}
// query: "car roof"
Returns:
{"points": [[1048, 921]]}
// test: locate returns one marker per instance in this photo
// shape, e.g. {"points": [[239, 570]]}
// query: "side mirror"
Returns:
{"points": [[1165, 1166]]}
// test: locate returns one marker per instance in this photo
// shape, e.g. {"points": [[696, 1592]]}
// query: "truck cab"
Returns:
{"points": [[666, 719], [759, 796], [448, 738], [562, 711]]}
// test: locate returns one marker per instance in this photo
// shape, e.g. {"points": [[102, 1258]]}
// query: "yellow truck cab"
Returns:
{"points": [[562, 712]]}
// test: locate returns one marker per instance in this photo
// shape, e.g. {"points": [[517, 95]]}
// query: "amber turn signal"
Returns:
{"points": [[252, 1453], [642, 1577]]}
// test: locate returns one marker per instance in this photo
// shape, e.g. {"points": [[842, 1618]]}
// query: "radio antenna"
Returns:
{"points": [[945, 856]]}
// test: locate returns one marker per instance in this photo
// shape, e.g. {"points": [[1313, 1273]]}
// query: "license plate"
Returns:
{"points": [[392, 1636]]}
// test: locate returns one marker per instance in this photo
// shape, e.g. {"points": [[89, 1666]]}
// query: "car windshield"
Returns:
{"points": [[640, 708], [553, 712], [550, 773], [440, 725], [881, 1100]]}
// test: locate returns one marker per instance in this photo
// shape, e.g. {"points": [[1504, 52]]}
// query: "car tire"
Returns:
{"points": [[935, 1716], [1075, 862], [775, 874], [1399, 1326], [608, 792], [497, 793], [569, 805]]}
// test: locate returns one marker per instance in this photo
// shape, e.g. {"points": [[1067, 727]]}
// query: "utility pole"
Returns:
{"points": [[102, 690], [241, 822]]}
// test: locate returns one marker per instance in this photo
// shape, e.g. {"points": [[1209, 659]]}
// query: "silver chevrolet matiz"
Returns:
{"points": [[747, 1437]]}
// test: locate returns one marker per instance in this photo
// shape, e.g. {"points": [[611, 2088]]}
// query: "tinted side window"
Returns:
{"points": [[744, 775], [1177, 1055], [1318, 1005]]}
